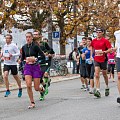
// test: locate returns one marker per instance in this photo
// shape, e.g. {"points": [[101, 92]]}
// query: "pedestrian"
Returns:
{"points": [[32, 68], [37, 38], [111, 64], [74, 56], [100, 44], [50, 55], [83, 71], [10, 51], [117, 49]]}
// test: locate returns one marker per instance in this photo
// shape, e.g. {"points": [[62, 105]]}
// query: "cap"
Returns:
{"points": [[99, 29]]}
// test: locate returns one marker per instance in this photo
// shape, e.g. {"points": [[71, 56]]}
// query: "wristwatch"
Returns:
{"points": [[104, 52], [36, 59]]}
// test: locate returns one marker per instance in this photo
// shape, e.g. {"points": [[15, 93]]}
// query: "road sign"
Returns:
{"points": [[56, 35]]}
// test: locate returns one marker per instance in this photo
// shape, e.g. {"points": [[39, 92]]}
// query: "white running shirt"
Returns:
{"points": [[13, 49], [117, 43]]}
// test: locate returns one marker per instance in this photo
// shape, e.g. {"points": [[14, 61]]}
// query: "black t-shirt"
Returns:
{"points": [[44, 47], [51, 52], [80, 51]]}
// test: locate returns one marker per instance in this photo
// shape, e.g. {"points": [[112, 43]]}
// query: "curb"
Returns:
{"points": [[24, 86], [65, 79]]}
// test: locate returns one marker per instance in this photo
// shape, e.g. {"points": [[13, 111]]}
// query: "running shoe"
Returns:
{"points": [[118, 100], [83, 87], [43, 91], [20, 93], [107, 91], [86, 89], [92, 91], [113, 80], [97, 94], [41, 98], [7, 93], [31, 106], [109, 77]]}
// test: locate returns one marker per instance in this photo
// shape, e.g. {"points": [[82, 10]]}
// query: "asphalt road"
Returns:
{"points": [[65, 101]]}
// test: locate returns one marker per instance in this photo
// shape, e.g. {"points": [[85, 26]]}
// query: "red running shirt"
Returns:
{"points": [[100, 45]]}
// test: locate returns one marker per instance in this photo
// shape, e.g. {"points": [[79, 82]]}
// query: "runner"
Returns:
{"points": [[32, 67], [100, 44], [117, 48], [46, 50], [9, 53], [78, 65], [89, 65], [50, 55], [83, 71], [111, 64]]}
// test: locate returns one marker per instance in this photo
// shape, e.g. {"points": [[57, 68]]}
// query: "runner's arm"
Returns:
{"points": [[108, 51], [83, 54], [17, 51], [23, 54], [91, 51], [108, 45], [42, 56]]}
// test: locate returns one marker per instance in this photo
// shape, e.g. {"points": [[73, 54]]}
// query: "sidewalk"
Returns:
{"points": [[13, 84]]}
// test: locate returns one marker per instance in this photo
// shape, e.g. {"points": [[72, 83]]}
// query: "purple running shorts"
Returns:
{"points": [[33, 70]]}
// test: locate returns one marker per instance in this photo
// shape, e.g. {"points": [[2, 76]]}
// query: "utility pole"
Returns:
{"points": [[50, 32], [50, 29], [74, 11]]}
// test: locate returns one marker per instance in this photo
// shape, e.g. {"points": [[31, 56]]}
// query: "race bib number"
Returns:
{"points": [[7, 58], [29, 62], [98, 54], [46, 58], [6, 55], [88, 61], [111, 60]]}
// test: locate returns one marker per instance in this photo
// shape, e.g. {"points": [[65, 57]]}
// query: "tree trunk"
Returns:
{"points": [[62, 49], [62, 43]]}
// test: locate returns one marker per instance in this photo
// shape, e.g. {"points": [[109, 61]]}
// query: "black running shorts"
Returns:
{"points": [[83, 71], [118, 64], [102, 65], [13, 69]]}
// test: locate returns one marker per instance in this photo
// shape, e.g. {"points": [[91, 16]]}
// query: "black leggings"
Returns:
{"points": [[111, 66], [90, 70]]}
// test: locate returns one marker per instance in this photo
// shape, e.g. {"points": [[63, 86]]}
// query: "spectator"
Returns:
{"points": [[74, 56]]}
